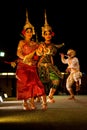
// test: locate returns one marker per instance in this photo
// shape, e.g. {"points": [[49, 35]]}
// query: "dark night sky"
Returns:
{"points": [[68, 20]]}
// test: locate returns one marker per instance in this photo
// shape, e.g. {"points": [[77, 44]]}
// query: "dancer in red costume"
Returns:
{"points": [[29, 85]]}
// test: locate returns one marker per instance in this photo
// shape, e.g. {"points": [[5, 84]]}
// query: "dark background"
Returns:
{"points": [[67, 18]]}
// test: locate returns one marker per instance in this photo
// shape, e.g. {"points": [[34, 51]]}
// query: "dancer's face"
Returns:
{"points": [[47, 35], [28, 33]]}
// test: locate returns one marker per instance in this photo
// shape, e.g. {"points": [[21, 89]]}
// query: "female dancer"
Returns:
{"points": [[48, 72], [29, 85]]}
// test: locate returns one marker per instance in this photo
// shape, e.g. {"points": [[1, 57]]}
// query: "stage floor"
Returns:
{"points": [[64, 114], [61, 101]]}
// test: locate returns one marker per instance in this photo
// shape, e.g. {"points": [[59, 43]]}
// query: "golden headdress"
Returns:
{"points": [[46, 26], [28, 24]]}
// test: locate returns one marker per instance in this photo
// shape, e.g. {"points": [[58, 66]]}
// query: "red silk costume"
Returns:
{"points": [[28, 82]]}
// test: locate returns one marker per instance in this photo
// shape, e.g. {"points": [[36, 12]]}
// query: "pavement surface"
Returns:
{"points": [[63, 114]]}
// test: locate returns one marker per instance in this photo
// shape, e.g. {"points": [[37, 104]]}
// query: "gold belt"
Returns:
{"points": [[45, 64]]}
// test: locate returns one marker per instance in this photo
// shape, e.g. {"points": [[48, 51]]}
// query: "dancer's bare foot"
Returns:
{"points": [[50, 100], [71, 98], [26, 106], [32, 105], [44, 106]]}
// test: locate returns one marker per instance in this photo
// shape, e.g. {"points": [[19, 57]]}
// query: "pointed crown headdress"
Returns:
{"points": [[46, 26], [28, 24]]}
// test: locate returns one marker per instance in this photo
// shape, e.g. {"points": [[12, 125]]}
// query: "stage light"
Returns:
{"points": [[1, 99], [2, 54]]}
